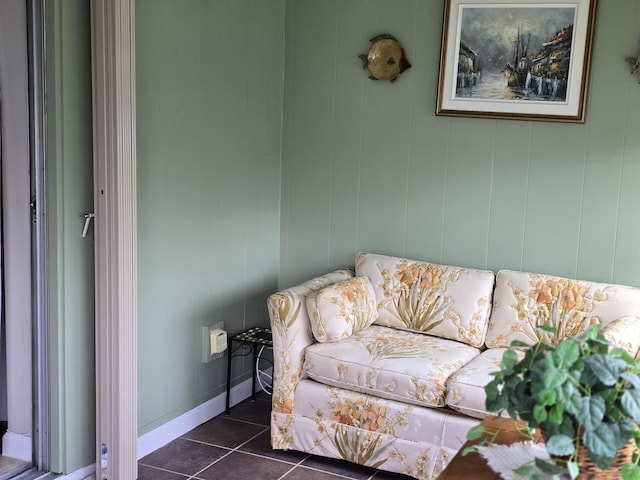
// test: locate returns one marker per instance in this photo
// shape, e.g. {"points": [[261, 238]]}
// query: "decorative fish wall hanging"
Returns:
{"points": [[386, 59], [635, 64]]}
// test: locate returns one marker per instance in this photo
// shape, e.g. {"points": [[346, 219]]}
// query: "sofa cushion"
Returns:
{"points": [[446, 301], [389, 363], [465, 388], [522, 301], [342, 309]]}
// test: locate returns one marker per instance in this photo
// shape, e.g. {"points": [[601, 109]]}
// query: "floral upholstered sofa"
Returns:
{"points": [[386, 367]]}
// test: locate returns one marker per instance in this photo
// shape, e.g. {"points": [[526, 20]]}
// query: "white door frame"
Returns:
{"points": [[39, 239], [114, 127], [16, 188]]}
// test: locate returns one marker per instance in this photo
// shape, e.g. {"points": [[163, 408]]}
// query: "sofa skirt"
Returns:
{"points": [[367, 430]]}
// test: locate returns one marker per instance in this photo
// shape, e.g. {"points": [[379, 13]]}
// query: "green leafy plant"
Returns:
{"points": [[583, 391]]}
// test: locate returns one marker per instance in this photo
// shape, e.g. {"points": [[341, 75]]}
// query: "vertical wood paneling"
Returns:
{"points": [[347, 142], [627, 260], [537, 196], [312, 131], [510, 189], [427, 159], [210, 84], [386, 136], [468, 194], [555, 198], [626, 265]]}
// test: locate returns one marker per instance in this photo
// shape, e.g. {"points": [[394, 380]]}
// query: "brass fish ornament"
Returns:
{"points": [[386, 59], [635, 64]]}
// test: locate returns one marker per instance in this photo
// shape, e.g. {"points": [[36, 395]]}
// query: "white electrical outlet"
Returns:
{"points": [[217, 341], [214, 342]]}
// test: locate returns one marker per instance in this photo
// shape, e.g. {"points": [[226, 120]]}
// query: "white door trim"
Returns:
{"points": [[114, 117], [40, 240], [16, 199]]}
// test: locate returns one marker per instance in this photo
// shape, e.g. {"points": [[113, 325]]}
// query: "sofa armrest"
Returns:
{"points": [[624, 333], [291, 332]]}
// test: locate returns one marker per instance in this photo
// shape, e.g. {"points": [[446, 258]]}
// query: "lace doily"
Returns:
{"points": [[504, 459]]}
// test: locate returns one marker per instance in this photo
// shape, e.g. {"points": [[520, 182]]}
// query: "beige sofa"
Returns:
{"points": [[386, 367]]}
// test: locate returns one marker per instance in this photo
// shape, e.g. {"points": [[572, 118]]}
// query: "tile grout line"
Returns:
{"points": [[185, 475], [294, 466], [264, 429], [335, 474], [288, 472], [195, 475], [236, 449]]}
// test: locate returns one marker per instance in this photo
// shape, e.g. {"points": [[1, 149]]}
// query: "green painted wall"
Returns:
{"points": [[368, 166], [70, 196], [365, 166], [209, 108]]}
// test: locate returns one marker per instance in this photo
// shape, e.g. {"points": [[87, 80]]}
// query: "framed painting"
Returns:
{"points": [[514, 59]]}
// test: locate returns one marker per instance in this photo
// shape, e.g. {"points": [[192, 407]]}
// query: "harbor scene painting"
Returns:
{"points": [[519, 53], [516, 59]]}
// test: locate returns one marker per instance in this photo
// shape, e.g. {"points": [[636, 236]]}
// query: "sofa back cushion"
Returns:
{"points": [[441, 300], [523, 300], [338, 311]]}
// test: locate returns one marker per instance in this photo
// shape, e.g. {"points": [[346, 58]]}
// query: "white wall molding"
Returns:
{"points": [[177, 427], [114, 140], [16, 445]]}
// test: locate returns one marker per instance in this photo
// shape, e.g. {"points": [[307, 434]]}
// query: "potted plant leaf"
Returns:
{"points": [[584, 396]]}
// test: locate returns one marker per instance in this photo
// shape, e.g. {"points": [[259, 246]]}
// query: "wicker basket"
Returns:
{"points": [[589, 471]]}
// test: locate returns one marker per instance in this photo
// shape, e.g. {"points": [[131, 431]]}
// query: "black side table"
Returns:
{"points": [[248, 341]]}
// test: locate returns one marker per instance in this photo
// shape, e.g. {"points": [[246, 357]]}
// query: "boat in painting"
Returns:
{"points": [[517, 71], [545, 73]]}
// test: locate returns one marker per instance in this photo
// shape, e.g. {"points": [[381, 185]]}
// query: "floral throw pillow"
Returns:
{"points": [[342, 309]]}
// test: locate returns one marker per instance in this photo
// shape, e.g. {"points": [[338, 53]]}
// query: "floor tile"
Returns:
{"points": [[224, 432], [242, 466], [184, 456], [301, 473], [255, 412], [205, 453], [351, 470], [152, 473], [382, 475], [261, 445]]}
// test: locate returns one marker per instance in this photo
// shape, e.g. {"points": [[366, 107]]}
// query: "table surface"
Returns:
{"points": [[473, 465], [256, 335]]}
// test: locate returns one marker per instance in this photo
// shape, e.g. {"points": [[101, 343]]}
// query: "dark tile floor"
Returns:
{"points": [[237, 447]]}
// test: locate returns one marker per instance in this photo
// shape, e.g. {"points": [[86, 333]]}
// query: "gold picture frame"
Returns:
{"points": [[514, 59]]}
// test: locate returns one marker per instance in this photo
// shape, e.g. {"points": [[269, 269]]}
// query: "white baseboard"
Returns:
{"points": [[175, 428], [16, 445]]}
